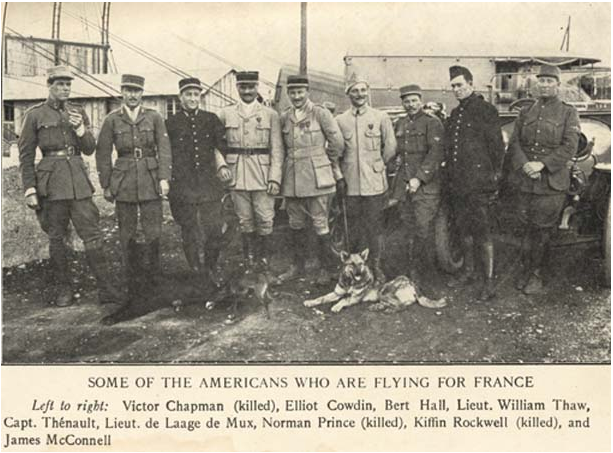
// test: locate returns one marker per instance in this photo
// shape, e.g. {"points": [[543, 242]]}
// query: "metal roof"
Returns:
{"points": [[156, 84], [551, 58]]}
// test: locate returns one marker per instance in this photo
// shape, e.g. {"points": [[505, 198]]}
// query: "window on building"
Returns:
{"points": [[9, 111], [172, 105]]}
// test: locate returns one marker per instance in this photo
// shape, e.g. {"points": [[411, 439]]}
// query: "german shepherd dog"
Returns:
{"points": [[356, 284]]}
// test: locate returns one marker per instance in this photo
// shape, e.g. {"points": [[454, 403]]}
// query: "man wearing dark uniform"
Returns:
{"points": [[544, 141], [308, 177], [420, 149], [59, 188], [198, 173], [139, 177], [474, 156]]}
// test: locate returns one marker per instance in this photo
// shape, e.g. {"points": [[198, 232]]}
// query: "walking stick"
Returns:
{"points": [[345, 224]]}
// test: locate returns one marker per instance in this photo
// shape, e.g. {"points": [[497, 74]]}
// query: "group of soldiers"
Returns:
{"points": [[305, 155]]}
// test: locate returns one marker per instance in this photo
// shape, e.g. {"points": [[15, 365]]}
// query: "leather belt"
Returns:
{"points": [[248, 151], [137, 153], [69, 151]]}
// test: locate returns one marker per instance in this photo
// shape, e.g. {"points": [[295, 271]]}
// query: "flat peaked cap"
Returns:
{"points": [[59, 72], [296, 81], [134, 81], [247, 77], [189, 82], [455, 71], [410, 89], [549, 71]]}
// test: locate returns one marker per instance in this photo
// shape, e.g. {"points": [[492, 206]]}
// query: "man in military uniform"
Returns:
{"points": [[544, 140], [308, 179], [420, 149], [139, 178], [59, 188], [369, 145], [255, 156], [198, 173], [474, 155]]}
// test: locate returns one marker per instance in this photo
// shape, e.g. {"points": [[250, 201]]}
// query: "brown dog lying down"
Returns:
{"points": [[356, 284]]}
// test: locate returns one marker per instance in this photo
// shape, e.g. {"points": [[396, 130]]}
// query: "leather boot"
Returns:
{"points": [[296, 267], [378, 256], [211, 257], [249, 243], [411, 255], [325, 260], [107, 293], [264, 257], [468, 271], [538, 246], [535, 284], [137, 285], [191, 255], [525, 262], [57, 254], [488, 290]]}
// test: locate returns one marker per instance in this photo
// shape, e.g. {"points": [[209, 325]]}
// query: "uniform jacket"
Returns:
{"points": [[46, 126], [420, 149], [369, 145], [196, 139], [307, 171], [133, 178], [474, 146], [260, 129], [548, 132]]}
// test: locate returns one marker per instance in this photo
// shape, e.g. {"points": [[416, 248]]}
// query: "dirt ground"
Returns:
{"points": [[569, 324]]}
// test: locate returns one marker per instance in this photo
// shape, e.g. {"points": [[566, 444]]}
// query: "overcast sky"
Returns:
{"points": [[266, 35]]}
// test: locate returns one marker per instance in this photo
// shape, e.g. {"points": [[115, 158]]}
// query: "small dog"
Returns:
{"points": [[356, 284]]}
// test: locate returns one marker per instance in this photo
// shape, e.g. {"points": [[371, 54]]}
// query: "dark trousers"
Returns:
{"points": [[201, 225], [472, 214], [150, 213], [365, 219], [418, 212], [54, 217]]}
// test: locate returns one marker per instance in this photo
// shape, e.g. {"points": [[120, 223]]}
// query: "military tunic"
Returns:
{"points": [[308, 178], [547, 132], [143, 159], [61, 178], [420, 149], [474, 155], [254, 154]]}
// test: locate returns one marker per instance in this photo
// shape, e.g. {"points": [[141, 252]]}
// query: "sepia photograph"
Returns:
{"points": [[306, 183]]}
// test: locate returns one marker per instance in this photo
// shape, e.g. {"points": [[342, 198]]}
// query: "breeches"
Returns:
{"points": [[314, 208], [150, 213], [54, 217], [255, 211]]}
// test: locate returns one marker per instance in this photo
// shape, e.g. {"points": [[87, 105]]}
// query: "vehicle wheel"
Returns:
{"points": [[606, 245], [448, 251]]}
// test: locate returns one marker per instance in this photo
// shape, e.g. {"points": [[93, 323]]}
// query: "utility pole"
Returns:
{"points": [[303, 38], [106, 13], [55, 29], [566, 38]]}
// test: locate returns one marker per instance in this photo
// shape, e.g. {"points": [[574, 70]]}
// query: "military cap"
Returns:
{"points": [[134, 81], [297, 81], [189, 82], [410, 89], [353, 81], [549, 71], [59, 72], [247, 77], [455, 71]]}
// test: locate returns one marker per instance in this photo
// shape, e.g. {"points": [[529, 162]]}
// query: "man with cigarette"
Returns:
{"points": [[59, 189]]}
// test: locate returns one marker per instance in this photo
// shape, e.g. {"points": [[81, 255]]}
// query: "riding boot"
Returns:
{"points": [[296, 267], [249, 243], [324, 249], [107, 293], [411, 255], [539, 247], [211, 258], [137, 282], [525, 261], [378, 256], [57, 254], [264, 257], [153, 260], [488, 290], [468, 271]]}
